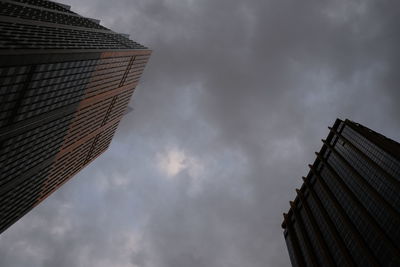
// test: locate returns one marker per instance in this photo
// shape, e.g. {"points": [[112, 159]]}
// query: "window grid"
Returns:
{"points": [[299, 234], [20, 199], [311, 236], [373, 240], [22, 152], [44, 4], [57, 85], [289, 245], [383, 159], [378, 211], [25, 36], [87, 120], [326, 232], [23, 12], [343, 229], [371, 174]]}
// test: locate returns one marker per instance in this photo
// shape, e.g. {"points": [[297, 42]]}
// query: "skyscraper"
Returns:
{"points": [[65, 83], [347, 212]]}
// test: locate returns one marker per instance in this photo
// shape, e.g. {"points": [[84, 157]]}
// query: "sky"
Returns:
{"points": [[228, 113]]}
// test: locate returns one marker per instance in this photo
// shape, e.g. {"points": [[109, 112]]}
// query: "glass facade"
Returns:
{"points": [[45, 4], [353, 193], [60, 105], [370, 173], [26, 12], [289, 245], [17, 35], [324, 225]]}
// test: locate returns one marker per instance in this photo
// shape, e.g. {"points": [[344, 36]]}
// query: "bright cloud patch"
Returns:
{"points": [[174, 160]]}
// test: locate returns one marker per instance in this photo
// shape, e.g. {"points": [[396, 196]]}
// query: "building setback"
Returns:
{"points": [[65, 83], [347, 212]]}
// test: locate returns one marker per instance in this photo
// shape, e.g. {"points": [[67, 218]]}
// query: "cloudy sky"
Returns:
{"points": [[231, 107]]}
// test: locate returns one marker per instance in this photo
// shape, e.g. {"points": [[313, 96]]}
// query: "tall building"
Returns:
{"points": [[65, 83], [347, 212]]}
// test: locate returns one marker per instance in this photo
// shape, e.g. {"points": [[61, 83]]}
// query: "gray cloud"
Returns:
{"points": [[245, 91]]}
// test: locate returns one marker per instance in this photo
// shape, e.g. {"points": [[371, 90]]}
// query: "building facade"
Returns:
{"points": [[347, 212], [65, 83]]}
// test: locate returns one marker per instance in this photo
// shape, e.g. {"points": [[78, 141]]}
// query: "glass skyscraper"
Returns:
{"points": [[65, 83], [347, 212]]}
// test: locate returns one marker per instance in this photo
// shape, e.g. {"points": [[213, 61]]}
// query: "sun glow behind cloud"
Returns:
{"points": [[173, 161]]}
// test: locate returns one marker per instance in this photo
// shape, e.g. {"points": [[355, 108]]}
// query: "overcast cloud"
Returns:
{"points": [[231, 107]]}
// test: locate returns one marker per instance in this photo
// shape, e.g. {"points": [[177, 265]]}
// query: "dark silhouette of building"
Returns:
{"points": [[347, 212], [65, 83]]}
